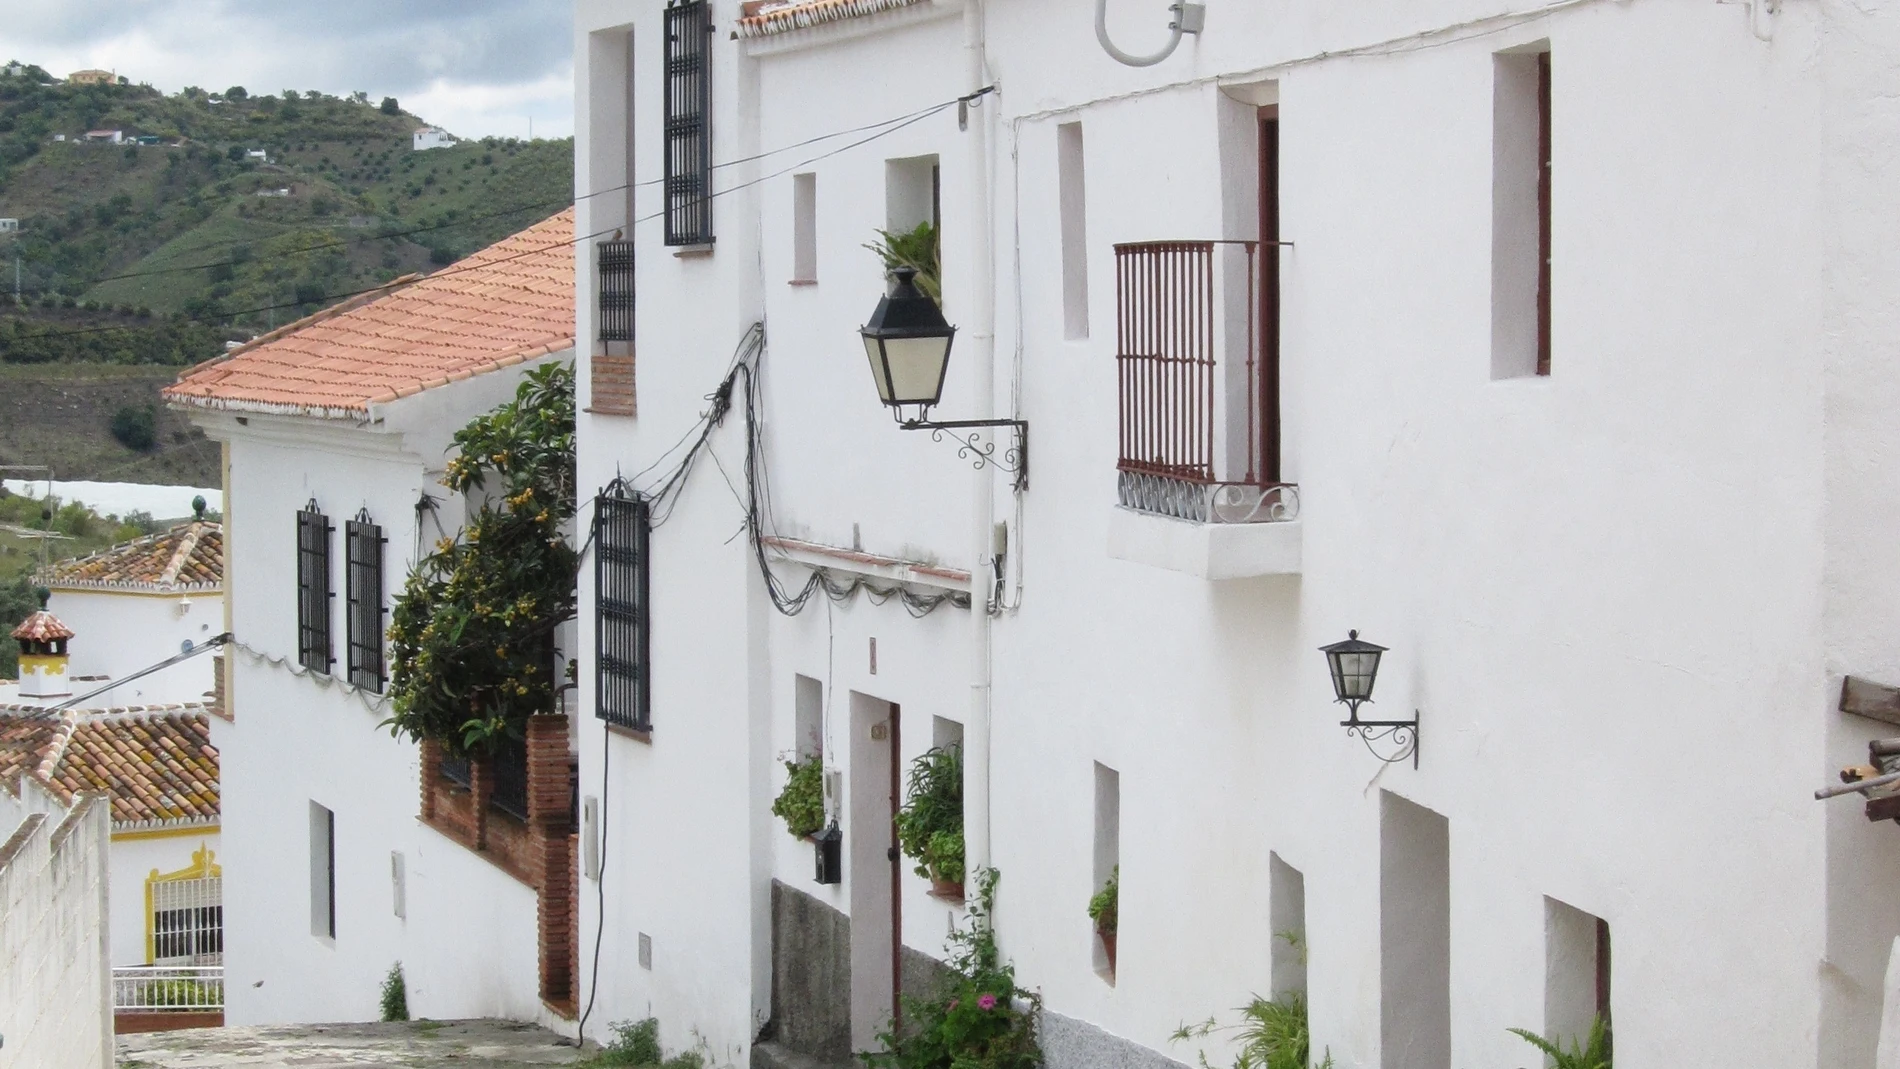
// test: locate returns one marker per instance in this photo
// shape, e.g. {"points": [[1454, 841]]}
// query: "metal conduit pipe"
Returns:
{"points": [[980, 343], [1188, 18]]}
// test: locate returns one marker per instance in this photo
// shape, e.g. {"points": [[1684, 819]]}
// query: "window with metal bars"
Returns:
{"points": [[622, 530], [313, 589], [363, 570], [688, 120], [615, 280]]}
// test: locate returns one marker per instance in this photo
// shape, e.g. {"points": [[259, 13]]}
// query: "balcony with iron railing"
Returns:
{"points": [[1198, 474]]}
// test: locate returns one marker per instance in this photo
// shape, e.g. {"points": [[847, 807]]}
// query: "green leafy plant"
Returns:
{"points": [[636, 1045], [930, 825], [1271, 1034], [1104, 907], [915, 249], [981, 1019], [1590, 1052], [395, 995], [471, 637], [802, 803]]}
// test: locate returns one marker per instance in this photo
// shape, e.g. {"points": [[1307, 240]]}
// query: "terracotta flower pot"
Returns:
{"points": [[1108, 946], [947, 889]]}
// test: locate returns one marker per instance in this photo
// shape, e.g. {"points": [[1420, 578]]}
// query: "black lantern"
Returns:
{"points": [[1354, 666], [828, 845], [908, 343]]}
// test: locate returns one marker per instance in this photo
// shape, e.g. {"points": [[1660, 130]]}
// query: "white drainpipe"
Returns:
{"points": [[979, 340]]}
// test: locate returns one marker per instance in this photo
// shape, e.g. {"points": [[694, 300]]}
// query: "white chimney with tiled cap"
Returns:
{"points": [[43, 657]]}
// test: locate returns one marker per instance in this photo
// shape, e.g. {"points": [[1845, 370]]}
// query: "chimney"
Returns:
{"points": [[43, 658]]}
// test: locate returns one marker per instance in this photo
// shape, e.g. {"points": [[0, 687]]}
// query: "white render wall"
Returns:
{"points": [[1621, 597], [118, 633], [468, 941], [55, 980], [134, 858]]}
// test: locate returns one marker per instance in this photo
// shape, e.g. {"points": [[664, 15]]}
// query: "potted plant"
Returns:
{"points": [[1104, 911], [930, 825], [915, 249], [802, 803]]}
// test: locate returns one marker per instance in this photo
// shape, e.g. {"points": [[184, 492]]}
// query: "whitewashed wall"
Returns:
{"points": [[1598, 587], [55, 980], [117, 634]]}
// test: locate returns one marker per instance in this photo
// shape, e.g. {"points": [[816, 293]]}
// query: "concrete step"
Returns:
{"points": [[773, 1056]]}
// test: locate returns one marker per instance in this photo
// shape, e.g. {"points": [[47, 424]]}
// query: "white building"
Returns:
{"points": [[1623, 542], [360, 850], [9, 226], [429, 137]]}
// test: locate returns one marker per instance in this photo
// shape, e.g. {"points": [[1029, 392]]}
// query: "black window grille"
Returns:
{"points": [[510, 767], [313, 589], [196, 932], [458, 771], [622, 529], [363, 570], [688, 119], [616, 290]]}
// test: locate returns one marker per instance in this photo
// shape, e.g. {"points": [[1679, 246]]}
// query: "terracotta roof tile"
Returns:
{"points": [[763, 18], [42, 626], [188, 557], [510, 302], [156, 763]]}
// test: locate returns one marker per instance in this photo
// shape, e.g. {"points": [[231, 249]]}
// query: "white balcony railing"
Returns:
{"points": [[168, 988]]}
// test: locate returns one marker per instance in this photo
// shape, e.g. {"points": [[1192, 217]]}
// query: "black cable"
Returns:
{"points": [[600, 878]]}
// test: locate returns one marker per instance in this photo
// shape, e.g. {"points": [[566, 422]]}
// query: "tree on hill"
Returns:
{"points": [[236, 92], [390, 107]]}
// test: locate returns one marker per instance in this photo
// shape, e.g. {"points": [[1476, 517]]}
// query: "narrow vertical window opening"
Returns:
{"points": [[1576, 973], [322, 872], [1543, 213], [1071, 190], [363, 567], [622, 527], [1521, 214], [1105, 905], [688, 186], [804, 228], [313, 589]]}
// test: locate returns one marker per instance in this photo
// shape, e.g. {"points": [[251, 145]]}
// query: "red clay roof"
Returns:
{"points": [[188, 557], [510, 302], [42, 626], [157, 762], [763, 18]]}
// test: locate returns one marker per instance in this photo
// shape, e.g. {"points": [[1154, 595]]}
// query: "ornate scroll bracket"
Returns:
{"points": [[981, 451], [1401, 734]]}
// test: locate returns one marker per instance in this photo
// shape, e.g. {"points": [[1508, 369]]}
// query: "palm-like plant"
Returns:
{"points": [[1592, 1052], [917, 250]]}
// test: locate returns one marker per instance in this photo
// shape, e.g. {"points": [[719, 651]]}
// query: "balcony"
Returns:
{"points": [[1198, 487]]}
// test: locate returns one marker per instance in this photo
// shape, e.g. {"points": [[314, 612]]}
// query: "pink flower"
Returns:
{"points": [[987, 1002]]}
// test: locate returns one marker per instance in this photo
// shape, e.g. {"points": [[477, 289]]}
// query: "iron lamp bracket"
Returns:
{"points": [[1402, 734], [978, 449]]}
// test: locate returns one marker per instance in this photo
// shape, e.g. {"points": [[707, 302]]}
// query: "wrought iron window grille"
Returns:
{"points": [[363, 583], [688, 150], [614, 279], [314, 593], [623, 527], [509, 767]]}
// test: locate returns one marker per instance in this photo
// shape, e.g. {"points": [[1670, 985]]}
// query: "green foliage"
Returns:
{"points": [[1104, 907], [636, 1045], [930, 825], [917, 250], [802, 803], [136, 427], [176, 993], [976, 1022], [389, 106], [17, 602], [472, 633], [1591, 1052], [395, 995], [1271, 1034]]}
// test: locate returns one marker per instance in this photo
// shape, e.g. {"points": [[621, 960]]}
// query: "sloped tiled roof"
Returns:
{"points": [[189, 557], [42, 626], [155, 762], [509, 303], [763, 18]]}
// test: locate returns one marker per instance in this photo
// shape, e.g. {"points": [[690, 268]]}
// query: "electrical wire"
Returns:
{"points": [[600, 877]]}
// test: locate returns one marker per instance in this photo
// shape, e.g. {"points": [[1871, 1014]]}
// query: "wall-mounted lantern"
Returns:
{"points": [[1354, 666], [907, 341], [828, 845]]}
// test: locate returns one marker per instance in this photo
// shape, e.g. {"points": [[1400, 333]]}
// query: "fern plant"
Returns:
{"points": [[916, 249], [1271, 1034], [930, 825], [1592, 1052]]}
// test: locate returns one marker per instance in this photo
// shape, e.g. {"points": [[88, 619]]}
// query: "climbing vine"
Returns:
{"points": [[472, 634]]}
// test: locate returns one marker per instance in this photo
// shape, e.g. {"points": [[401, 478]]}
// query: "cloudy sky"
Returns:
{"points": [[476, 67]]}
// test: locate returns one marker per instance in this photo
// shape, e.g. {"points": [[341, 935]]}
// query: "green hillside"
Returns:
{"points": [[194, 225]]}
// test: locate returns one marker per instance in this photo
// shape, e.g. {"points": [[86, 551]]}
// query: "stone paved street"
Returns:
{"points": [[412, 1045]]}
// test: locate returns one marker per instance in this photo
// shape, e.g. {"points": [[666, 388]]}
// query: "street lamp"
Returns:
{"points": [[907, 342], [1354, 666]]}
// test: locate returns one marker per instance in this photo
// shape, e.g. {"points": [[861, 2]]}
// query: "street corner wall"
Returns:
{"points": [[55, 983]]}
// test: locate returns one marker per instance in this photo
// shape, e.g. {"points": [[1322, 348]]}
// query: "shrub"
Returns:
{"points": [[390, 107], [802, 803], [1271, 1034], [1591, 1052], [135, 427], [636, 1045], [395, 995], [930, 826]]}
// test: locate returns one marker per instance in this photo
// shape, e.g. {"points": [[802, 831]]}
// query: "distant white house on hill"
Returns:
{"points": [[431, 137], [9, 226], [112, 137]]}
